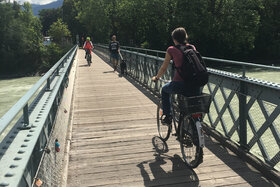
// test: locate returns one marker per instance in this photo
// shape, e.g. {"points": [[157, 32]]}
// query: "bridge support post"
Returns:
{"points": [[57, 70], [243, 113], [26, 124], [48, 88]]}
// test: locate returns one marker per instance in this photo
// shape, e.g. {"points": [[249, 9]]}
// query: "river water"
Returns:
{"points": [[11, 90]]}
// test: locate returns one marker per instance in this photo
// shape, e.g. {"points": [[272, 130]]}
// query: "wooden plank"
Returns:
{"points": [[112, 140]]}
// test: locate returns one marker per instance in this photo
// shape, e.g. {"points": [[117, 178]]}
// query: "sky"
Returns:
{"points": [[41, 2]]}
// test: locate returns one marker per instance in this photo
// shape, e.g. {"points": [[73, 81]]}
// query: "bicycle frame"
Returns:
{"points": [[187, 112], [197, 118], [200, 133], [173, 114]]}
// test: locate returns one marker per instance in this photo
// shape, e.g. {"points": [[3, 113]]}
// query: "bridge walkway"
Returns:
{"points": [[114, 139]]}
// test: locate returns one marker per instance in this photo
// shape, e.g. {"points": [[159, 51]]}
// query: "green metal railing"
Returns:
{"points": [[244, 109], [243, 66], [24, 142]]}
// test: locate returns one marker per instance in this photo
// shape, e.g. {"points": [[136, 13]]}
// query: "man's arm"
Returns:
{"points": [[118, 47], [91, 45], [163, 67]]}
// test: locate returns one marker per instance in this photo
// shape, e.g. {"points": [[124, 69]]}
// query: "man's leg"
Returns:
{"points": [[114, 64], [117, 63], [165, 97], [117, 60], [170, 88], [167, 89]]}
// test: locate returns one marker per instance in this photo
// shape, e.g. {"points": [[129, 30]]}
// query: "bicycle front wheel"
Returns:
{"points": [[163, 130], [191, 151], [88, 59]]}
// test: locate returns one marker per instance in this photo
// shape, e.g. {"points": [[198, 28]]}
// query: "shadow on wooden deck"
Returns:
{"points": [[182, 174]]}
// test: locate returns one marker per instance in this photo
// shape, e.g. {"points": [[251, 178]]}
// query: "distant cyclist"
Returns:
{"points": [[114, 48], [88, 46]]}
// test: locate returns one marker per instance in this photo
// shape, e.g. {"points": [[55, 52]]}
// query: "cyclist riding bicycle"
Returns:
{"points": [[177, 85], [88, 46]]}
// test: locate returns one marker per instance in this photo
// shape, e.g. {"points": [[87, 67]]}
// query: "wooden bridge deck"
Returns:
{"points": [[114, 127]]}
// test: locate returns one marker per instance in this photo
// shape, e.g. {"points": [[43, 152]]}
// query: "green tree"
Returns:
{"points": [[70, 9], [20, 40], [268, 37], [59, 31], [229, 26], [60, 45], [48, 17], [92, 16], [233, 29]]}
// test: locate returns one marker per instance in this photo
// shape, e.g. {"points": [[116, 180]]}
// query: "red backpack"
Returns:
{"points": [[88, 45]]}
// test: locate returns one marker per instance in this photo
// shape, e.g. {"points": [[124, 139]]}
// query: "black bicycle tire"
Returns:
{"points": [[198, 152], [159, 124], [88, 59], [175, 122]]}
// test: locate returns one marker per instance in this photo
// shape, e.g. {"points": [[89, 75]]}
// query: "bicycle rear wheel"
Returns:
{"points": [[176, 117], [191, 151], [163, 130], [88, 59]]}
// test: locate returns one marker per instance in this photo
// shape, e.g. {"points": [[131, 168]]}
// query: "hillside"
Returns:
{"points": [[36, 8]]}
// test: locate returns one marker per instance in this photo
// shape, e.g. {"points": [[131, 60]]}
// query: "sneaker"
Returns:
{"points": [[167, 120]]}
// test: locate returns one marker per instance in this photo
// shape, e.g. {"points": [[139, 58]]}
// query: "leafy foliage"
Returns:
{"points": [[48, 17], [21, 47], [220, 28], [236, 29], [268, 38], [59, 31], [20, 39]]}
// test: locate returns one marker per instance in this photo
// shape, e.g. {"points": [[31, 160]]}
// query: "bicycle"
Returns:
{"points": [[88, 57], [187, 115]]}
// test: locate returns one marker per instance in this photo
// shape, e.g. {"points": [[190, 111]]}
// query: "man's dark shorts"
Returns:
{"points": [[115, 56]]}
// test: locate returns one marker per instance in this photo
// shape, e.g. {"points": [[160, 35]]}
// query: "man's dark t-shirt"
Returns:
{"points": [[114, 46]]}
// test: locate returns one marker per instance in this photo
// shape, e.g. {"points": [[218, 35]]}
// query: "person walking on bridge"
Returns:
{"points": [[177, 85], [114, 48]]}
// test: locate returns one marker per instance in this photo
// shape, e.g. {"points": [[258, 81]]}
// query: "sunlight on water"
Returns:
{"points": [[258, 73], [272, 76], [11, 90]]}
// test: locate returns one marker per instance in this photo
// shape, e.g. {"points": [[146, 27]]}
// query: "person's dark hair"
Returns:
{"points": [[180, 35]]}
